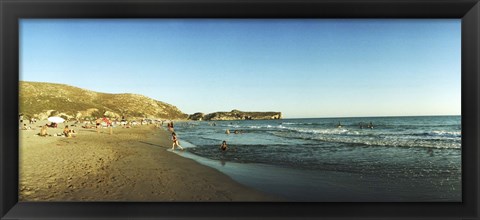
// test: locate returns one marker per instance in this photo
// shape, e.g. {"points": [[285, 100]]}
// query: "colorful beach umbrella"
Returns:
{"points": [[56, 119]]}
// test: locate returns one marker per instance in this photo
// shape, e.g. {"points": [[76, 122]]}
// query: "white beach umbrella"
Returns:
{"points": [[56, 119]]}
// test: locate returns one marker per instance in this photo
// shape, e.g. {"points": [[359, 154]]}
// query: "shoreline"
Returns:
{"points": [[132, 164], [380, 177]]}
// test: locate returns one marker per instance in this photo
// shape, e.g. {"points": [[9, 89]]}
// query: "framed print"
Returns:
{"points": [[239, 110]]}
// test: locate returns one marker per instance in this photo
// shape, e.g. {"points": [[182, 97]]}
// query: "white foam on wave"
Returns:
{"points": [[361, 138], [293, 123], [266, 126], [186, 144], [394, 142], [446, 133], [334, 131], [322, 131]]}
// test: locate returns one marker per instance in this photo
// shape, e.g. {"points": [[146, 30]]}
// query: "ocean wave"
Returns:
{"points": [[445, 133], [289, 132], [368, 132], [259, 126], [304, 123], [375, 140], [292, 123], [347, 130], [324, 131], [267, 126], [394, 142], [399, 142], [438, 134], [322, 158]]}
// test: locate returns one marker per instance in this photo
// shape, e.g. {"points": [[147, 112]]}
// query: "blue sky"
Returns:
{"points": [[303, 68]]}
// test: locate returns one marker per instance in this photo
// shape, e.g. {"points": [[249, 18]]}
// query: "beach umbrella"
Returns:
{"points": [[56, 119]]}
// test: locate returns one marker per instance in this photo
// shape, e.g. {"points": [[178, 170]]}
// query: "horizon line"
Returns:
{"points": [[301, 117], [384, 116]]}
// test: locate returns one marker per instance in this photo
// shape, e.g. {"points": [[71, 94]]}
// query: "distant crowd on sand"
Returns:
{"points": [[106, 122], [67, 132], [95, 123]]}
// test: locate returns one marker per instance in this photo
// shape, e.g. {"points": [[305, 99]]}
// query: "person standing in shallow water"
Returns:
{"points": [[370, 125], [224, 147], [175, 141]]}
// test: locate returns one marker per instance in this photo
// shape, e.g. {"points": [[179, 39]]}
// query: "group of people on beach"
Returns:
{"points": [[24, 126], [67, 132], [44, 128], [99, 122]]}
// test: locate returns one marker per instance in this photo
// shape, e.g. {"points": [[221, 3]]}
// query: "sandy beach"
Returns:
{"points": [[132, 164]]}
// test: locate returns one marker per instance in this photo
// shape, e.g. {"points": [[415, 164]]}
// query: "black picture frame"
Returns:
{"points": [[12, 10]]}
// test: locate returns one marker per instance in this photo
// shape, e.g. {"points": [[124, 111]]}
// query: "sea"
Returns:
{"points": [[364, 159]]}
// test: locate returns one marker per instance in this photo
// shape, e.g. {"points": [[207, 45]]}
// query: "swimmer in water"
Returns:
{"points": [[339, 125], [370, 125], [224, 147]]}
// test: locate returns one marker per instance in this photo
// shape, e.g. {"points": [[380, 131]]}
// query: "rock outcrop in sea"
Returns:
{"points": [[235, 115], [196, 116]]}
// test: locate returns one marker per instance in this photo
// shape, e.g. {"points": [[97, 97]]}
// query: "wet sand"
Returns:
{"points": [[132, 164]]}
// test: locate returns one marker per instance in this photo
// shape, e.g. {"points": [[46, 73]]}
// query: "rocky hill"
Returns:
{"points": [[41, 100], [235, 115]]}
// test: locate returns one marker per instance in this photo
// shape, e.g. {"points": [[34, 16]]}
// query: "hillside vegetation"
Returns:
{"points": [[41, 100]]}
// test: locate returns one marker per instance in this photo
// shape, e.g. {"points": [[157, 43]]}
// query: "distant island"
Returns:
{"points": [[41, 100], [235, 115]]}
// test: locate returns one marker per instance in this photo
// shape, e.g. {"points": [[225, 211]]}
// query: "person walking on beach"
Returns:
{"points": [[97, 124], [175, 141], [170, 126]]}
